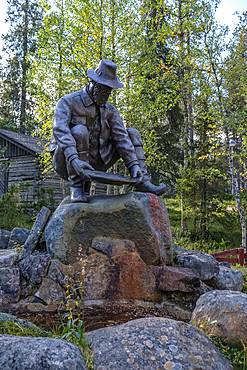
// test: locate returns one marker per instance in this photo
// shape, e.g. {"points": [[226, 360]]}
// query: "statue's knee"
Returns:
{"points": [[81, 135], [134, 136]]}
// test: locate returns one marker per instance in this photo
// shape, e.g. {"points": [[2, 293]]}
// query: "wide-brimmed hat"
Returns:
{"points": [[105, 74]]}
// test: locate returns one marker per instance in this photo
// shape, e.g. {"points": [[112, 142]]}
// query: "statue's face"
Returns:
{"points": [[101, 93]]}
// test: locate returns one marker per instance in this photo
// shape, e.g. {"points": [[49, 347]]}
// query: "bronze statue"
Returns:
{"points": [[88, 134]]}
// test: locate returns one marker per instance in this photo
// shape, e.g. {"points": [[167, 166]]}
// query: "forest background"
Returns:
{"points": [[184, 90]]}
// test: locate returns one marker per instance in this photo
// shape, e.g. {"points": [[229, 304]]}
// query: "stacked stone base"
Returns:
{"points": [[119, 250]]}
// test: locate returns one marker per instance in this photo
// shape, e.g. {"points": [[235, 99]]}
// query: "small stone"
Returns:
{"points": [[8, 257], [176, 279], [18, 237], [34, 267], [124, 276], [228, 279], [203, 265], [36, 232], [50, 292], [9, 284], [113, 247], [56, 273], [4, 238], [225, 264]]}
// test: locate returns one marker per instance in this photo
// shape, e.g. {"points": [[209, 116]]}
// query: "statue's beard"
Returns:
{"points": [[98, 97]]}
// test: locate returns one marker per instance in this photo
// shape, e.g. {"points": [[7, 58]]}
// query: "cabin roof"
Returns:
{"points": [[27, 143]]}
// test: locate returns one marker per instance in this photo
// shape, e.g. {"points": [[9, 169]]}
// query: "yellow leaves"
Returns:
{"points": [[203, 157]]}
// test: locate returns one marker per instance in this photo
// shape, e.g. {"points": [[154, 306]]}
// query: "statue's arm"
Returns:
{"points": [[61, 130], [65, 140], [123, 143]]}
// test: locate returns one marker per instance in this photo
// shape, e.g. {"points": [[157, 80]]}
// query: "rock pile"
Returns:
{"points": [[119, 247], [121, 250]]}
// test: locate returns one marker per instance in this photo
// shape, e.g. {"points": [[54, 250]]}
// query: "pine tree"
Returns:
{"points": [[18, 94]]}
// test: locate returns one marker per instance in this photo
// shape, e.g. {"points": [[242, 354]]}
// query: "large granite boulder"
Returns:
{"points": [[223, 313], [39, 353], [155, 343], [139, 217]]}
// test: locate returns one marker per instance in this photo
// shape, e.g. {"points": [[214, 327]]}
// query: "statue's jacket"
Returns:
{"points": [[79, 109]]}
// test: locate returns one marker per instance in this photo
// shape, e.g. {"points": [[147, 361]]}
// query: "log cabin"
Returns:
{"points": [[20, 162]]}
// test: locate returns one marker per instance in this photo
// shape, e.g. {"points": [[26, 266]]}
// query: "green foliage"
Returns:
{"points": [[223, 228], [243, 269], [11, 212], [41, 197], [45, 198], [15, 328], [17, 206], [237, 357], [72, 327], [185, 97], [17, 93], [71, 332]]}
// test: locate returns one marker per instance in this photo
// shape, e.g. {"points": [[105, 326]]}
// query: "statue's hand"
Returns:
{"points": [[135, 172], [80, 166]]}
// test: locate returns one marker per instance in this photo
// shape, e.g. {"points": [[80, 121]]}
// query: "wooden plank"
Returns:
{"points": [[229, 252], [227, 259], [241, 256]]}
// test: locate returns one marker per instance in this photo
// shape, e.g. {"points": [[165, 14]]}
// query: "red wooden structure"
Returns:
{"points": [[221, 256]]}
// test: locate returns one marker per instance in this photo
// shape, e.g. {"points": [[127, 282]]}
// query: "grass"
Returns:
{"points": [[244, 272], [73, 334], [224, 231], [237, 357]]}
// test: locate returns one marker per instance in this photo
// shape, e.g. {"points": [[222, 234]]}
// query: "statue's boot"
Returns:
{"points": [[77, 193], [145, 186]]}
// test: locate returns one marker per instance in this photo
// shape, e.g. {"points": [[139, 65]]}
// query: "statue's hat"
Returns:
{"points": [[105, 74]]}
